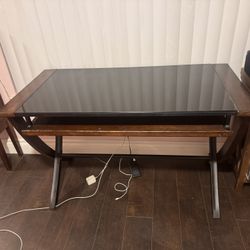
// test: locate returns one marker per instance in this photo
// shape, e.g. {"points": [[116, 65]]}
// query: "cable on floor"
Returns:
{"points": [[97, 187], [58, 205], [16, 234], [100, 175], [123, 187]]}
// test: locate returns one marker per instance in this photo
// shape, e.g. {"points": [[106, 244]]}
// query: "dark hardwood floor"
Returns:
{"points": [[167, 208]]}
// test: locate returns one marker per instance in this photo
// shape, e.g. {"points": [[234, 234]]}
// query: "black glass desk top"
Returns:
{"points": [[166, 89], [136, 91]]}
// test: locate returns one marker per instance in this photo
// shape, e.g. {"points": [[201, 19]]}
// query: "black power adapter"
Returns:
{"points": [[134, 167]]}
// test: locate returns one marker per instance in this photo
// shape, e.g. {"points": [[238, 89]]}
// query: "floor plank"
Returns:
{"points": [[11, 181], [245, 232], [141, 192], [241, 203], [166, 217], [137, 234], [111, 224], [224, 231], [194, 224]]}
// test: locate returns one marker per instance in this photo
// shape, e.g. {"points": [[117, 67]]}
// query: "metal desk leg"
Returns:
{"points": [[56, 172], [214, 178]]}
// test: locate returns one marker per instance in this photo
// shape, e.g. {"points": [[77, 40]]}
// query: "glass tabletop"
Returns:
{"points": [[166, 90]]}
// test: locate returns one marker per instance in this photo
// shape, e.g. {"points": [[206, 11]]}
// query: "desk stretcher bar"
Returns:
{"points": [[128, 130]]}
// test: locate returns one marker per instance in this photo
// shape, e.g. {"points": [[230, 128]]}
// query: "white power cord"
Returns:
{"points": [[125, 190], [18, 212], [97, 187], [17, 235], [23, 210], [58, 205]]}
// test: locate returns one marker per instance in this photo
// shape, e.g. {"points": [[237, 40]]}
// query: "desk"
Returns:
{"points": [[185, 100]]}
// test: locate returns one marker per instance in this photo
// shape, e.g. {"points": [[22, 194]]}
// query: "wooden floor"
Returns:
{"points": [[167, 208]]}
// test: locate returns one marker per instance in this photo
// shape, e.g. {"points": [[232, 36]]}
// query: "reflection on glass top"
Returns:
{"points": [[167, 89]]}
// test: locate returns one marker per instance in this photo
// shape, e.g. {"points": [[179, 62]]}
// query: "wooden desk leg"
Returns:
{"points": [[214, 178], [14, 139], [244, 163], [56, 172], [4, 157]]}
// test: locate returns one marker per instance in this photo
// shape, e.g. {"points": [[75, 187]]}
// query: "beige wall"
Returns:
{"points": [[7, 89]]}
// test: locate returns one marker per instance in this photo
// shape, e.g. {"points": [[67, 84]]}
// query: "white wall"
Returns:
{"points": [[7, 89], [43, 34]]}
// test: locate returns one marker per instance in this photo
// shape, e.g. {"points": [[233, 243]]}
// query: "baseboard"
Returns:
{"points": [[108, 145]]}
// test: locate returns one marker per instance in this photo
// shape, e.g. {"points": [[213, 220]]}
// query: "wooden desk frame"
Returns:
{"points": [[239, 135]]}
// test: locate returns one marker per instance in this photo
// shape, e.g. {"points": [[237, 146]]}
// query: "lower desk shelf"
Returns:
{"points": [[128, 130]]}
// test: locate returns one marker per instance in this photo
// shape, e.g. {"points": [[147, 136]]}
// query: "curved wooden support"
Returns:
{"points": [[244, 163], [4, 157], [11, 132], [236, 150], [19, 123], [228, 152]]}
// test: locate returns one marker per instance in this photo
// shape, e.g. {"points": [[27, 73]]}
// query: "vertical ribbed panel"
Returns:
{"points": [[199, 36], [43, 34]]}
